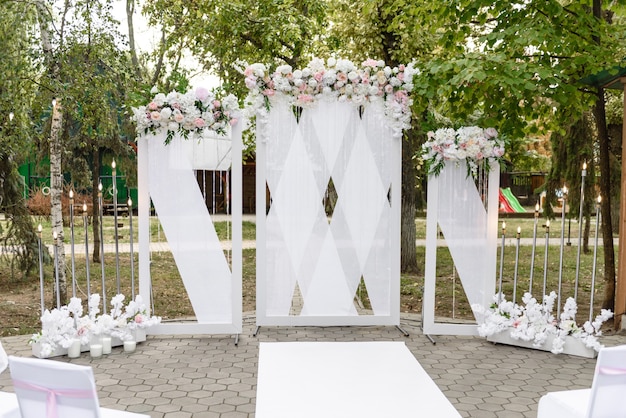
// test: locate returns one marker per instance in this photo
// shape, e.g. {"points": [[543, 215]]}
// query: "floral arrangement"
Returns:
{"points": [[193, 112], [536, 322], [470, 143], [335, 78], [61, 327]]}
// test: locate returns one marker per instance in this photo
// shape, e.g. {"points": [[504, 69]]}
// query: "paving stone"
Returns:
{"points": [[209, 377]]}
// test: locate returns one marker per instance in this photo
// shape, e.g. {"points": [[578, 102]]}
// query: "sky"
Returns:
{"points": [[147, 38]]}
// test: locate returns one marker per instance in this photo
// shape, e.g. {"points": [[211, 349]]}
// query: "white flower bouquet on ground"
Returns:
{"points": [[535, 322], [61, 327]]}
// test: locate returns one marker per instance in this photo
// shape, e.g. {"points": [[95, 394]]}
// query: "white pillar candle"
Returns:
{"points": [[95, 350], [130, 346], [73, 351], [106, 345]]}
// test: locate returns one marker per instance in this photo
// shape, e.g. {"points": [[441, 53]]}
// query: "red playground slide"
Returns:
{"points": [[505, 207]]}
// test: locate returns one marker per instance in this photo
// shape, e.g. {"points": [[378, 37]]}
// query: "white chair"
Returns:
{"points": [[603, 400], [54, 389], [4, 360]]}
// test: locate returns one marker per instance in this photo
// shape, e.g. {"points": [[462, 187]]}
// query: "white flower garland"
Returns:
{"points": [[60, 327], [339, 79], [535, 321], [471, 144], [194, 112]]}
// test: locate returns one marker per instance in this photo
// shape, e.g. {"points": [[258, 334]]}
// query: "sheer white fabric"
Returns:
{"points": [[188, 227], [468, 226], [331, 147]]}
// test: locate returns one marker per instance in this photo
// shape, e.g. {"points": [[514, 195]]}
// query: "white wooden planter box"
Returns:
{"points": [[140, 336], [573, 346]]}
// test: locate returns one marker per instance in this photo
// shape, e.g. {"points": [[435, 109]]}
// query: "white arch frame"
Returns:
{"points": [[204, 291], [470, 230], [297, 246]]}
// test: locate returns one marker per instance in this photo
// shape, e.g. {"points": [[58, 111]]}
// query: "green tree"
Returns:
{"points": [[517, 63], [16, 94], [86, 74]]}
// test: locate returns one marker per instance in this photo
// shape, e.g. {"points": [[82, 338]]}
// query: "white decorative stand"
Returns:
{"points": [[468, 219], [166, 176], [140, 336], [573, 346], [310, 265]]}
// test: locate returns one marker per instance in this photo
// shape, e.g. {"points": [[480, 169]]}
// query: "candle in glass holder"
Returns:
{"points": [[56, 269], [560, 284], [519, 231], [545, 260], [501, 264], [101, 217], [117, 253], [40, 245], [72, 242], [132, 257], [85, 221], [106, 344]]}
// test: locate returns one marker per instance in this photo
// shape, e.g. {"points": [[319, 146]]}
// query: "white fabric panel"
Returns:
{"points": [[463, 221], [209, 153], [345, 379], [469, 229], [326, 258], [189, 230]]}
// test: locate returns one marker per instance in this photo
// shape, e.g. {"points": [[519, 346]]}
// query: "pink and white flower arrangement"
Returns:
{"points": [[471, 144], [60, 327], [535, 321], [193, 112], [334, 78]]}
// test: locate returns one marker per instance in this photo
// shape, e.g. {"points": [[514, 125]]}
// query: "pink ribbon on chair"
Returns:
{"points": [[611, 371], [51, 395]]}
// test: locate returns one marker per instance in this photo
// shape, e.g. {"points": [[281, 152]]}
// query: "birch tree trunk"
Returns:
{"points": [[56, 189], [56, 172]]}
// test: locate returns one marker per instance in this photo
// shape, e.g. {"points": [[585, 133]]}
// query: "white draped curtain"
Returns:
{"points": [[309, 154], [166, 176], [466, 211]]}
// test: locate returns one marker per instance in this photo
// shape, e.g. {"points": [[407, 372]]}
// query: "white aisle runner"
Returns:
{"points": [[345, 379]]}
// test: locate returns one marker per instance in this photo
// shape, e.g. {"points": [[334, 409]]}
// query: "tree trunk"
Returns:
{"points": [[56, 189], [408, 251], [130, 10], [608, 301], [95, 180]]}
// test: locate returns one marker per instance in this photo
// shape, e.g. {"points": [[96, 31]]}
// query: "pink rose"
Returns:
{"points": [[248, 72], [305, 98], [401, 67], [153, 106], [491, 133], [388, 88], [199, 123], [138, 318], [233, 121], [178, 117], [318, 76], [342, 77], [370, 63], [268, 92], [202, 93], [216, 103], [155, 115]]}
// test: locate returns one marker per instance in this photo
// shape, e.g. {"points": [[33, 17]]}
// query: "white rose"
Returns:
{"points": [[331, 62]]}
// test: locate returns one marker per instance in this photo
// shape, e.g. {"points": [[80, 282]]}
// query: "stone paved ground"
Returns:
{"points": [[208, 376]]}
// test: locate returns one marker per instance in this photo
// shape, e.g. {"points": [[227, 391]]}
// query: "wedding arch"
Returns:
{"points": [[329, 141], [177, 134], [462, 202]]}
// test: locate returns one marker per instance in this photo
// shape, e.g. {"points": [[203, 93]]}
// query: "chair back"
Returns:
{"points": [[609, 384], [4, 360], [53, 389]]}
